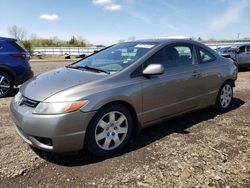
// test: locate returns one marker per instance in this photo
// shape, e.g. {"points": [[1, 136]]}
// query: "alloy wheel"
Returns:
{"points": [[5, 85], [226, 96]]}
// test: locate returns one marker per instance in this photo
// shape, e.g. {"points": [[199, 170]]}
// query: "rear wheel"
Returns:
{"points": [[109, 131], [6, 84], [224, 98]]}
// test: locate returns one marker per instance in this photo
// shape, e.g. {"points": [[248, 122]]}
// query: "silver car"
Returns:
{"points": [[101, 100], [241, 53]]}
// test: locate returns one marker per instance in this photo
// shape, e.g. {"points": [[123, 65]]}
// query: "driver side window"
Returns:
{"points": [[174, 56], [248, 48], [242, 49]]}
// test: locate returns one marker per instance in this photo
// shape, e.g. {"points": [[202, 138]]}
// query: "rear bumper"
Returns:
{"points": [[57, 133]]}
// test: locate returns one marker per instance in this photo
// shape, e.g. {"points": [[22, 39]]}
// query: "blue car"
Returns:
{"points": [[14, 65]]}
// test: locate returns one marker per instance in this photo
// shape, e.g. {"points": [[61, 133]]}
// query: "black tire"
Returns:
{"points": [[224, 104], [6, 81], [91, 142]]}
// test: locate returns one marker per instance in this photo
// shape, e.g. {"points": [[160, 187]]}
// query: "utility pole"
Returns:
{"points": [[238, 36]]}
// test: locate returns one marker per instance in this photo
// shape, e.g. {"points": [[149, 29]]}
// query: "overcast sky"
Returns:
{"points": [[107, 21]]}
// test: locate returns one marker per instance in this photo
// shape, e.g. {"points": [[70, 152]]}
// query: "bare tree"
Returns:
{"points": [[18, 33]]}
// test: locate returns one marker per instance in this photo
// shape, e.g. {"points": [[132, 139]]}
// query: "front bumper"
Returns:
{"points": [[58, 133]]}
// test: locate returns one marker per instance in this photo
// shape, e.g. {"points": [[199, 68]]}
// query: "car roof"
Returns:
{"points": [[7, 39], [164, 40], [239, 45]]}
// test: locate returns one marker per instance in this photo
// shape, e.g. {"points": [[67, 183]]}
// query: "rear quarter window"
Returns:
{"points": [[242, 49], [206, 56], [17, 46]]}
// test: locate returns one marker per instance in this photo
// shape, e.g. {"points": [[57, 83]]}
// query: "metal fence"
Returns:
{"points": [[90, 50], [224, 44], [65, 50]]}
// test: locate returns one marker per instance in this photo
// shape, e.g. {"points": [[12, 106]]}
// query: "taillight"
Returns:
{"points": [[20, 54]]}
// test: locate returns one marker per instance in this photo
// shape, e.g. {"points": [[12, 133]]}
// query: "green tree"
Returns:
{"points": [[28, 46], [73, 41]]}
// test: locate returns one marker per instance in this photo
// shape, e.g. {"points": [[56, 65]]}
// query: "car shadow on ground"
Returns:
{"points": [[147, 136]]}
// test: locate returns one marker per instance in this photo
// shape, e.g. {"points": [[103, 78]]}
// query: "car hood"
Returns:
{"points": [[47, 84]]}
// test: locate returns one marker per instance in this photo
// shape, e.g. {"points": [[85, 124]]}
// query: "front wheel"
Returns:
{"points": [[109, 131], [6, 84], [224, 98]]}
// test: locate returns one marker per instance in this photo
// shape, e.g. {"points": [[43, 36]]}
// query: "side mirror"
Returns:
{"points": [[237, 50], [153, 69]]}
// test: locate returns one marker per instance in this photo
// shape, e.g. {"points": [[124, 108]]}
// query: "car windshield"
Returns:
{"points": [[115, 58], [233, 48], [224, 49]]}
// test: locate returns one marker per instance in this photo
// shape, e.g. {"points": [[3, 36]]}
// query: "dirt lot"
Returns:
{"points": [[200, 149]]}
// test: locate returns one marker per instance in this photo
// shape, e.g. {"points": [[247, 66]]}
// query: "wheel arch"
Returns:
{"points": [[231, 81], [217, 103], [132, 111], [136, 124], [9, 72]]}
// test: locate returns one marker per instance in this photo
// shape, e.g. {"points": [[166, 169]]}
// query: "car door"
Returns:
{"points": [[178, 89], [243, 55], [210, 70], [248, 54]]}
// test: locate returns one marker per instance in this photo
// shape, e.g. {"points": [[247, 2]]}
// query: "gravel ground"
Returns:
{"points": [[200, 149]]}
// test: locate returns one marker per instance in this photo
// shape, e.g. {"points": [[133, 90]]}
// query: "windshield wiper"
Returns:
{"points": [[96, 69], [89, 68], [72, 67]]}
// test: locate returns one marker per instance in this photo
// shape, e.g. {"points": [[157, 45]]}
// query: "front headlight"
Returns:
{"points": [[59, 107], [18, 97]]}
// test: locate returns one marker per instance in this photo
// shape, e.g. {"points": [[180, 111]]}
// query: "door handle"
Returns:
{"points": [[196, 74]]}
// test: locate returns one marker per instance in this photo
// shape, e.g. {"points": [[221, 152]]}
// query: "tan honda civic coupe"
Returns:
{"points": [[101, 100]]}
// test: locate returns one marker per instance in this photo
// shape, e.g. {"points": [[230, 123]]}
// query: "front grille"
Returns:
{"points": [[28, 102]]}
